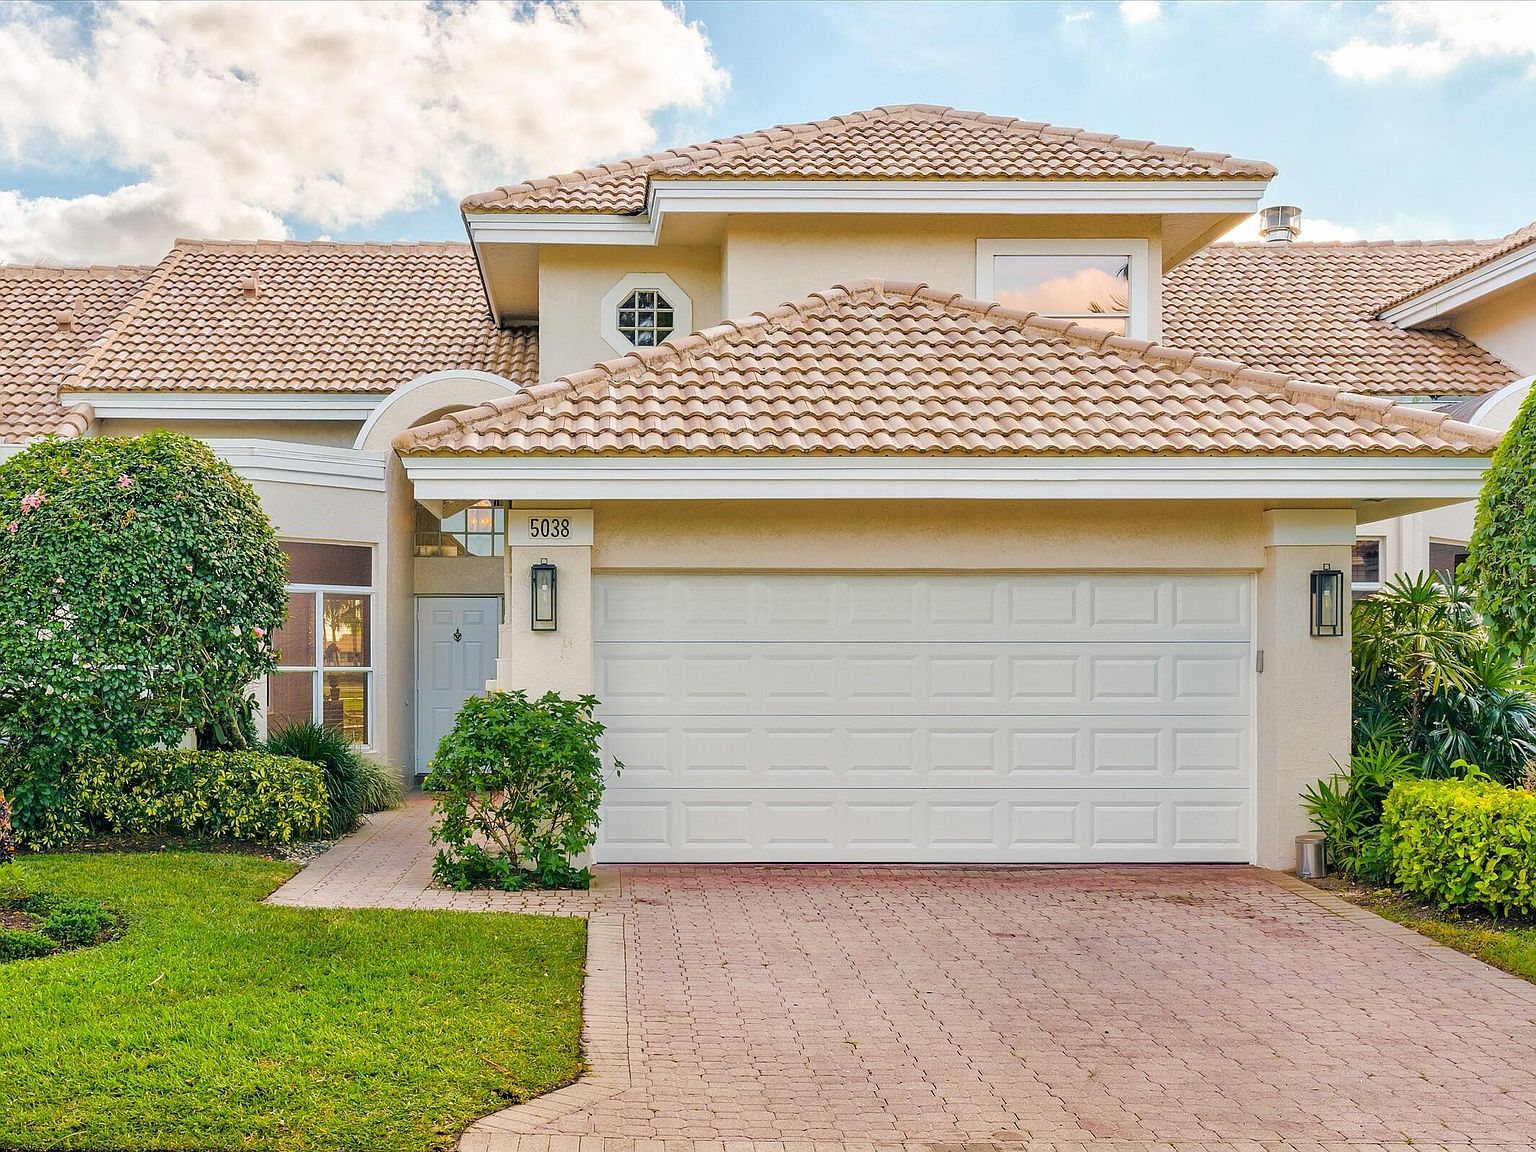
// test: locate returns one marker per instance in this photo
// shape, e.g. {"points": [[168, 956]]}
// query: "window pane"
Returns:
{"points": [[344, 704], [290, 699], [1063, 284], [346, 631], [1446, 558], [1365, 563], [294, 640], [350, 565]]}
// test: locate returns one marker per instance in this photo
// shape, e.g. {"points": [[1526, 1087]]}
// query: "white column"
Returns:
{"points": [[560, 661]]}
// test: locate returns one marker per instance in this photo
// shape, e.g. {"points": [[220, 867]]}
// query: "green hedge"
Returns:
{"points": [[1464, 843], [218, 795]]}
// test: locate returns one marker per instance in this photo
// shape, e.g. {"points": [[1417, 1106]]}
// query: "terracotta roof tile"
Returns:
{"points": [[900, 142], [885, 368], [49, 318], [1311, 310], [1486, 254], [302, 317]]}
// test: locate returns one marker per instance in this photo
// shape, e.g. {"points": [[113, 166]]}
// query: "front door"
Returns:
{"points": [[455, 656]]}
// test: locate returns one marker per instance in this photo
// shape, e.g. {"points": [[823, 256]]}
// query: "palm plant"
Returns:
{"points": [[1346, 807]]}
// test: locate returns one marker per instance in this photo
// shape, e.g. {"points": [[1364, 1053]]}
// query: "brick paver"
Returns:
{"points": [[819, 1009]]}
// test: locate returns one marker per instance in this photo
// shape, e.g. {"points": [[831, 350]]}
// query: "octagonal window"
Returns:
{"points": [[646, 318]]}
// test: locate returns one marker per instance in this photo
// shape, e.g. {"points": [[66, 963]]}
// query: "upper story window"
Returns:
{"points": [[1098, 283], [642, 310]]}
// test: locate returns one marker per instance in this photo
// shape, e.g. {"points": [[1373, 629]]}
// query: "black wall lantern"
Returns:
{"points": [[543, 596], [1327, 602]]}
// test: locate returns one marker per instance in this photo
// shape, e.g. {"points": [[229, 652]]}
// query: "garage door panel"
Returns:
{"points": [[933, 718], [669, 751], [893, 825], [721, 607], [972, 679]]}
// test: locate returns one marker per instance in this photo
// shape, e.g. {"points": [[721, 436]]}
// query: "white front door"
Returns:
{"points": [[985, 718], [455, 656]]}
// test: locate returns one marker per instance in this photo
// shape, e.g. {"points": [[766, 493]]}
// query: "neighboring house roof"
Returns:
{"points": [[1310, 310], [885, 368], [49, 318], [1487, 253], [304, 317], [900, 142]]}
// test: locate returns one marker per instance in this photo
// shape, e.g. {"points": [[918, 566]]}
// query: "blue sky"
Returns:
{"points": [[1405, 120]]}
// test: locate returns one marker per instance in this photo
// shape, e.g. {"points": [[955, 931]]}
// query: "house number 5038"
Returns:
{"points": [[549, 527]]}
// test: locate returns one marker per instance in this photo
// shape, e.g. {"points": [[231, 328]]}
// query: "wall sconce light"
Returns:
{"points": [[1327, 602], [543, 574]]}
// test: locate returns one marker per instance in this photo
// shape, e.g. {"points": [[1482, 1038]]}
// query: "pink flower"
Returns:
{"points": [[125, 481], [259, 632], [12, 526], [32, 500]]}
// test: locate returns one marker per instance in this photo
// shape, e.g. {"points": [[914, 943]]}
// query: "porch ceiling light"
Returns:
{"points": [[1327, 602], [544, 599]]}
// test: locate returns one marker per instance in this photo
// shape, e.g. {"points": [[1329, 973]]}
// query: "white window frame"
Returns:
{"points": [[608, 315], [1137, 325], [1370, 587], [318, 668]]}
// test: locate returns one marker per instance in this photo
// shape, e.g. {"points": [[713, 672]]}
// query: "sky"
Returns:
{"points": [[123, 126]]}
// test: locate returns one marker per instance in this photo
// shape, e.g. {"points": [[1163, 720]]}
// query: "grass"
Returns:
{"points": [[1506, 944], [217, 1022]]}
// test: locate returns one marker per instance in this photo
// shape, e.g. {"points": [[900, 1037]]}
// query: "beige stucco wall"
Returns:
{"points": [[1405, 540], [1504, 324], [332, 433], [771, 259], [573, 281]]}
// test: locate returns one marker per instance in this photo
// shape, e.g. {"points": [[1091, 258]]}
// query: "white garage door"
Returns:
{"points": [[766, 717]]}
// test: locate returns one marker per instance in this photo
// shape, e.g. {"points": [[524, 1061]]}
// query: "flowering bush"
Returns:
{"points": [[139, 582]]}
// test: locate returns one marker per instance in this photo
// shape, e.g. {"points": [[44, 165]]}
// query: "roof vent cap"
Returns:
{"points": [[65, 322], [1280, 223], [250, 288]]}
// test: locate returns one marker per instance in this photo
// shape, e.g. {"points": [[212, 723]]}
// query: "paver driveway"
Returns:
{"points": [[1216, 1007]]}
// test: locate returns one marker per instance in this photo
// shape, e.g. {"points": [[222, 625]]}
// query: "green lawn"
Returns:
{"points": [[1510, 945], [219, 1023]]}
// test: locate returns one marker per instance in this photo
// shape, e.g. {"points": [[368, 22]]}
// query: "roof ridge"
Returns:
{"points": [[120, 322], [70, 271], [277, 247], [1496, 250], [655, 162], [1269, 244], [1323, 397]]}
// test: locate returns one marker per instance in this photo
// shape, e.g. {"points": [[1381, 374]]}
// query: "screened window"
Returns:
{"points": [[1091, 289], [646, 318], [325, 646], [477, 530], [1365, 567]]}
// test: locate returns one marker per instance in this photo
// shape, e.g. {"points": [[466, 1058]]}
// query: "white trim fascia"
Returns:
{"points": [[284, 462], [840, 197], [1468, 288], [426, 381], [1136, 250], [199, 405], [1282, 480]]}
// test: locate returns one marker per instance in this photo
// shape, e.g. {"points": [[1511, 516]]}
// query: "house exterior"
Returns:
{"points": [[939, 493]]}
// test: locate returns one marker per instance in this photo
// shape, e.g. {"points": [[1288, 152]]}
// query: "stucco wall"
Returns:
{"points": [[333, 433], [771, 259], [1505, 325], [573, 281]]}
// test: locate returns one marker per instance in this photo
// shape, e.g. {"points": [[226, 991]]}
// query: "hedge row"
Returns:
{"points": [[1463, 843]]}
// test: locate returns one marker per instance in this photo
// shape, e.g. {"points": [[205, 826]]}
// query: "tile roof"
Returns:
{"points": [[1486, 254], [885, 368], [900, 142], [304, 317], [1310, 310], [49, 318]]}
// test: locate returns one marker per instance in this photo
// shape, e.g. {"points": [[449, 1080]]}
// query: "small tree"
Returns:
{"points": [[1502, 555], [518, 785], [140, 581]]}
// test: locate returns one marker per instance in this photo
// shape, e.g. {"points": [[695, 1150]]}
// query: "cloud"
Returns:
{"points": [[1136, 12], [1432, 38], [1312, 230], [235, 120]]}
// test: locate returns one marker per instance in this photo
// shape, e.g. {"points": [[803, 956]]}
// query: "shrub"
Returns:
{"points": [[21, 944], [1502, 554], [518, 784], [71, 923], [338, 758], [381, 788], [139, 582], [1464, 843], [1427, 677], [207, 794], [1346, 808]]}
